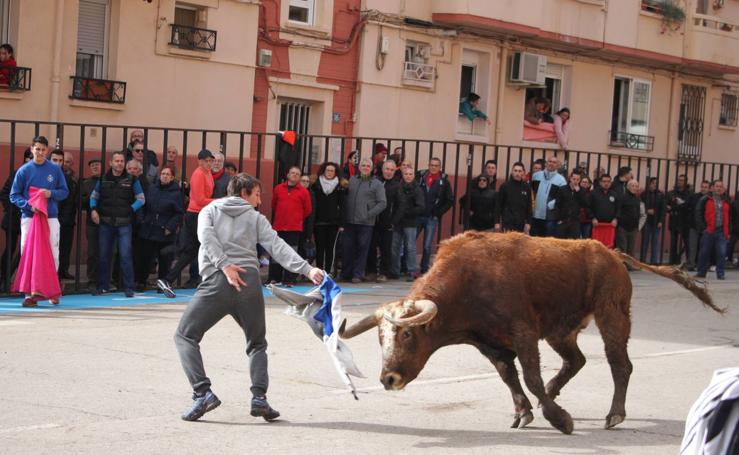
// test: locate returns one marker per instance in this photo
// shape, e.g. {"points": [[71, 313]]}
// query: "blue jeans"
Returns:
{"points": [[356, 238], [121, 234], [543, 228], [710, 243], [586, 230], [650, 237], [427, 224], [404, 239]]}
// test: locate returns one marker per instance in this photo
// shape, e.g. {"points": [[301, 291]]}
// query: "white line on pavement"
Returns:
{"points": [[472, 377], [685, 351], [29, 428], [6, 323]]}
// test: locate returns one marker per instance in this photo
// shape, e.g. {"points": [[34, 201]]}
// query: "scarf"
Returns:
{"points": [[327, 185], [217, 175]]}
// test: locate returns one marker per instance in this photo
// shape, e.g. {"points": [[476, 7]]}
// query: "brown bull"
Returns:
{"points": [[502, 293]]}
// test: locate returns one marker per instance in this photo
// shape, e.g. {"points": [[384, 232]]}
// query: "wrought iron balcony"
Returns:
{"points": [[419, 74], [631, 141], [103, 90], [193, 38], [15, 78]]}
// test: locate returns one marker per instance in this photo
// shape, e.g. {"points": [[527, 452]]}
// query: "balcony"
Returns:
{"points": [[15, 78], [419, 75], [622, 139], [193, 38], [101, 90], [712, 39]]}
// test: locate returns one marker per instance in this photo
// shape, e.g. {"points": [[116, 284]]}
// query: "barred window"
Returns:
{"points": [[729, 110]]}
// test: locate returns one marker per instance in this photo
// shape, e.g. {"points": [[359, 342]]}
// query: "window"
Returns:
{"points": [[729, 110], [4, 21], [467, 84], [301, 11], [188, 29], [185, 15], [416, 70], [92, 39], [630, 115]]}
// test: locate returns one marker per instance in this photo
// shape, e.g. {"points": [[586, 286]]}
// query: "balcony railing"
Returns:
{"points": [[714, 23], [419, 74], [106, 91], [15, 78], [193, 38], [631, 141]]}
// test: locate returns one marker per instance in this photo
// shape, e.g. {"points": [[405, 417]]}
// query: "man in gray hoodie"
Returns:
{"points": [[229, 230]]}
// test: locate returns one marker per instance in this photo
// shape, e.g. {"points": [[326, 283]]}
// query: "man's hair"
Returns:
{"points": [[136, 142], [518, 163], [118, 152], [229, 165], [622, 171], [604, 176], [435, 159], [576, 172], [651, 179], [58, 152], [540, 162], [473, 97], [40, 140], [136, 163], [295, 167], [242, 182], [711, 183], [490, 162], [367, 160], [169, 168], [389, 162], [8, 48]]}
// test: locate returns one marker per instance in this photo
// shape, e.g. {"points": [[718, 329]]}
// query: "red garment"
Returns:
{"points": [[289, 137], [201, 190], [36, 272], [710, 216], [290, 207], [352, 170], [431, 178], [605, 233], [7, 68]]}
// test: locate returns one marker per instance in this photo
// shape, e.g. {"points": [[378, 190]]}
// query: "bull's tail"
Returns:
{"points": [[697, 287]]}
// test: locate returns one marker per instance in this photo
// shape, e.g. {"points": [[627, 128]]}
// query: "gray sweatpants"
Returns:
{"points": [[214, 299]]}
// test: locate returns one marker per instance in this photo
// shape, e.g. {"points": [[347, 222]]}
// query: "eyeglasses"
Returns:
{"points": [[138, 150]]}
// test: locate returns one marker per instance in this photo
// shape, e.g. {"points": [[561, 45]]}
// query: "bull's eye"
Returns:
{"points": [[407, 334]]}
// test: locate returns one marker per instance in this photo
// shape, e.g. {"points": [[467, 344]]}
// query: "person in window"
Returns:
{"points": [[7, 64], [536, 110], [562, 127], [468, 107]]}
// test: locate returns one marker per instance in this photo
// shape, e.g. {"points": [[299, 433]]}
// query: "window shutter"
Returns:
{"points": [[91, 28]]}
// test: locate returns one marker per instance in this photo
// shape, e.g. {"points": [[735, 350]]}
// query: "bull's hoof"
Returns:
{"points": [[559, 418], [613, 420], [522, 419]]}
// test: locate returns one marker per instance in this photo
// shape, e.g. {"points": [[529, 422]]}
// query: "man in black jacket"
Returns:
{"points": [[513, 204], [680, 221], [624, 177], [628, 219], [11, 224], [91, 229], [439, 198], [734, 231], [694, 232], [569, 200], [67, 217], [654, 203], [382, 234], [605, 208], [405, 221]]}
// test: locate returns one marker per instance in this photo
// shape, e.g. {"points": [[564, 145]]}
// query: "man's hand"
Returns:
{"points": [[46, 193], [526, 228], [316, 275], [167, 232], [233, 277], [650, 211], [595, 222], [614, 222], [95, 217]]}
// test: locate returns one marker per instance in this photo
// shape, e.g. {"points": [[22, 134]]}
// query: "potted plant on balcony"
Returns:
{"points": [[673, 15]]}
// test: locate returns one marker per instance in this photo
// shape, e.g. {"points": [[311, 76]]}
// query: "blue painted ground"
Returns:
{"points": [[12, 305]]}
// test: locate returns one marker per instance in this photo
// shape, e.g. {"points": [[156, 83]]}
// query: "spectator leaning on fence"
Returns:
{"points": [[482, 199], [628, 220], [201, 194], [439, 198], [291, 204], [91, 229], [11, 224], [654, 202], [513, 204], [694, 234], [67, 216], [40, 173], [382, 234], [114, 201], [150, 172], [545, 185], [679, 222], [150, 157], [365, 200], [569, 201], [713, 219]]}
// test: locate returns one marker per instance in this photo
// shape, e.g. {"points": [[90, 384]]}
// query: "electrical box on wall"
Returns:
{"points": [[265, 57], [385, 45]]}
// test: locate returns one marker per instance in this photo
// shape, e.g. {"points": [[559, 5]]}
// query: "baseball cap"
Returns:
{"points": [[205, 154]]}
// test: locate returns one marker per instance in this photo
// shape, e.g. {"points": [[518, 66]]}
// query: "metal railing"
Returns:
{"points": [[15, 78], [102, 90], [419, 74], [254, 153], [193, 38], [631, 141]]}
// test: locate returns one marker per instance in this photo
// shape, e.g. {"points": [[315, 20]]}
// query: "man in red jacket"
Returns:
{"points": [[713, 220], [290, 206]]}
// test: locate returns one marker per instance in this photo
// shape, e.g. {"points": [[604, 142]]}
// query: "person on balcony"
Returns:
{"points": [[469, 107], [562, 127], [536, 110], [7, 64]]}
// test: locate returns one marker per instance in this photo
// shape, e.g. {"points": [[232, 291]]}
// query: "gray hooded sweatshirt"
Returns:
{"points": [[229, 230]]}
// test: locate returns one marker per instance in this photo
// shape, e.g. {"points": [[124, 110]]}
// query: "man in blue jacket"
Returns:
{"points": [[40, 173], [546, 184]]}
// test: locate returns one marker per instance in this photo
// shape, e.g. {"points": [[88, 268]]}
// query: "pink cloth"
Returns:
{"points": [[562, 129], [541, 132], [36, 272]]}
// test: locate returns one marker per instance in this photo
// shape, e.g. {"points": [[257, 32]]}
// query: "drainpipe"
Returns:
{"points": [[56, 67], [670, 126], [501, 86]]}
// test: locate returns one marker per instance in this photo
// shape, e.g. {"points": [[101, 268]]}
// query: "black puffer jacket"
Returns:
{"points": [[392, 195], [482, 208], [629, 217], [604, 206], [569, 202], [68, 207], [163, 211], [411, 206], [328, 209]]}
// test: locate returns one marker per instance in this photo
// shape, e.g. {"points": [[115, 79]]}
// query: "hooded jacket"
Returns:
{"points": [[439, 196], [229, 230], [411, 206], [654, 200], [163, 211], [482, 207]]}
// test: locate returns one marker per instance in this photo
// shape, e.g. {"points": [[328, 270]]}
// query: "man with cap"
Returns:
{"points": [[201, 194], [88, 185]]}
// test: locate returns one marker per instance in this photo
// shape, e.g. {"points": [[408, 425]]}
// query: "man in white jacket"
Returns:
{"points": [[229, 230]]}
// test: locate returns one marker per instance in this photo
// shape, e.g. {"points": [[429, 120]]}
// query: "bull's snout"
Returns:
{"points": [[392, 381]]}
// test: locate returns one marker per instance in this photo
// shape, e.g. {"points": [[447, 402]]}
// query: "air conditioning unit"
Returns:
{"points": [[527, 69], [265, 57]]}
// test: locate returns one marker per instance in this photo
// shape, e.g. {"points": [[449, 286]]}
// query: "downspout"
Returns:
{"points": [[670, 126], [56, 66], [498, 96]]}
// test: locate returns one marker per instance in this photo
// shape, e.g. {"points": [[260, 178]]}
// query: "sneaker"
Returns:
{"points": [[54, 301], [381, 278], [260, 408], [101, 292], [29, 302], [166, 288], [202, 404], [128, 293], [356, 280]]}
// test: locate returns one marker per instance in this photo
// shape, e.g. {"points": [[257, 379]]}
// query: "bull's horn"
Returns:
{"points": [[426, 312], [359, 327]]}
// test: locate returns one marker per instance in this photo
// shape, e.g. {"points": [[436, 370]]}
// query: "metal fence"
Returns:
{"points": [[254, 153]]}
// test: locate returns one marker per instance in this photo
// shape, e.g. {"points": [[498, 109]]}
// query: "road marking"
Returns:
{"points": [[45, 426], [472, 377], [686, 351], [6, 323]]}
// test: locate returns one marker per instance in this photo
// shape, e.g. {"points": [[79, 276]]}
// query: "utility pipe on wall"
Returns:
{"points": [[56, 65]]}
